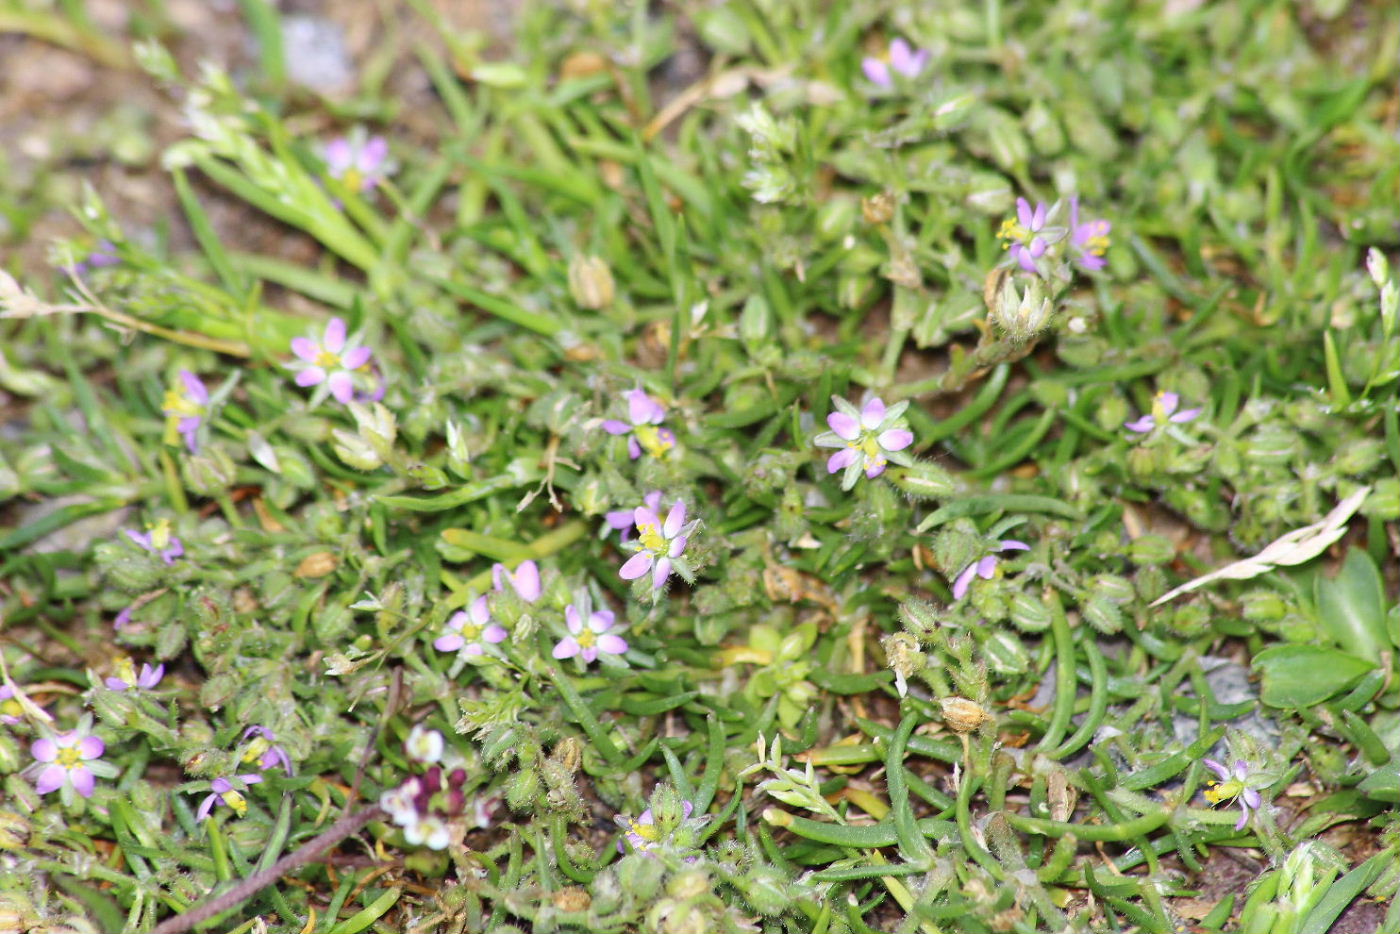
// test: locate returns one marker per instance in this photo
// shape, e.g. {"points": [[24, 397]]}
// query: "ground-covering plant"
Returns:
{"points": [[749, 502]]}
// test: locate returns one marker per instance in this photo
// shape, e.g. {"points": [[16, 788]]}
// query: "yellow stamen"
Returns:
{"points": [[11, 708], [126, 671], [256, 748], [69, 757], [586, 639], [235, 800], [327, 360], [160, 534], [177, 403], [647, 832], [652, 441], [352, 179], [1011, 230], [651, 538]]}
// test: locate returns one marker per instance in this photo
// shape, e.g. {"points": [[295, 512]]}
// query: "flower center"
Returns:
{"points": [[160, 534], [656, 441], [1222, 791], [69, 757], [1098, 240], [1011, 230], [327, 360], [586, 639], [235, 800], [11, 708], [647, 832], [177, 403], [651, 538], [126, 671], [352, 179], [471, 632], [255, 749]]}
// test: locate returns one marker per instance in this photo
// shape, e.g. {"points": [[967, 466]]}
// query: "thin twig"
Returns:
{"points": [[258, 881]]}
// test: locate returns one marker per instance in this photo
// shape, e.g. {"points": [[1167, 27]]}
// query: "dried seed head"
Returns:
{"points": [[590, 282], [963, 715], [318, 564], [878, 209], [572, 898]]}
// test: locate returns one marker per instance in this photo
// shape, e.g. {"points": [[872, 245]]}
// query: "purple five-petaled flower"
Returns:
{"points": [[901, 57], [360, 162], [158, 540], [187, 404], [644, 417], [221, 789], [868, 439], [468, 629], [984, 567], [65, 759], [127, 677], [623, 520], [642, 833], [1025, 236], [524, 580], [1233, 786], [331, 361], [1089, 239], [588, 633], [1164, 410], [263, 750], [658, 543]]}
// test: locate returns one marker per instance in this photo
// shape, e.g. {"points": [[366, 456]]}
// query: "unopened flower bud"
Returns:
{"points": [[590, 282], [1022, 316], [355, 451], [963, 715]]}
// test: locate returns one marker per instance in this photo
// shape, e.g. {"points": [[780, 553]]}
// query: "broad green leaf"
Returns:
{"points": [[1351, 606], [1304, 675]]}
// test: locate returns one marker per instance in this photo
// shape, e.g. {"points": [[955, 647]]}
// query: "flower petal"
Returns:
{"points": [[601, 621], [45, 750], [334, 341], [613, 645], [1185, 415], [873, 414], [194, 387], [643, 409], [495, 633], [675, 520], [660, 573], [636, 566], [1011, 544], [356, 357], [619, 519], [964, 581], [526, 581], [449, 643], [90, 747], [1023, 212], [1221, 772], [645, 515], [567, 647], [342, 387], [841, 460], [572, 621], [1141, 425], [311, 376], [614, 427], [846, 426], [987, 567], [1169, 401], [83, 781], [896, 439], [50, 779], [877, 71]]}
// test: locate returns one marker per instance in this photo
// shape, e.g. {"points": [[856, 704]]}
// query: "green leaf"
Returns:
{"points": [[1382, 785], [1343, 892], [1304, 675], [1352, 606]]}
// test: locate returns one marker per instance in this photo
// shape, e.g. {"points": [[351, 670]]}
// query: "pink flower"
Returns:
{"points": [[63, 761], [622, 519], [525, 580], [1089, 239], [867, 438], [984, 568], [358, 161], [658, 543], [221, 789], [1023, 236], [642, 833], [158, 540], [1164, 404], [467, 630], [187, 406], [901, 57], [587, 637], [645, 414], [263, 751], [128, 678], [330, 361], [1233, 786]]}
